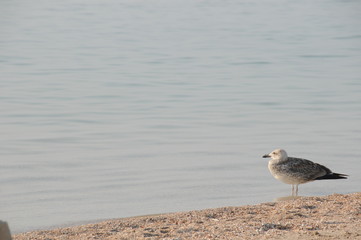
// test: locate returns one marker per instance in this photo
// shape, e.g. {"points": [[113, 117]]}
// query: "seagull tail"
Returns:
{"points": [[332, 176]]}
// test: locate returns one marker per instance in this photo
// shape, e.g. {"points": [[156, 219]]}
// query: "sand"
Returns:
{"points": [[331, 217]]}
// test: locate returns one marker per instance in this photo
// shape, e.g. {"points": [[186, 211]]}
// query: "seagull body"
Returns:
{"points": [[297, 171]]}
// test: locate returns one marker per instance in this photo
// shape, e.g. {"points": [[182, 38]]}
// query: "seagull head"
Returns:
{"points": [[278, 154]]}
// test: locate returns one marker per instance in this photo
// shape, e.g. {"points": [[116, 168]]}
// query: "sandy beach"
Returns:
{"points": [[331, 217]]}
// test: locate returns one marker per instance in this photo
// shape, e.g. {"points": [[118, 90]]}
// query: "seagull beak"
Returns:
{"points": [[266, 156]]}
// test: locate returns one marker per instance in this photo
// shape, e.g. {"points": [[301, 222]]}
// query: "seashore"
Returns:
{"points": [[336, 216]]}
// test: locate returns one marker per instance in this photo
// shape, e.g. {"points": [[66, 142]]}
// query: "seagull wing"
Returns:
{"points": [[307, 168]]}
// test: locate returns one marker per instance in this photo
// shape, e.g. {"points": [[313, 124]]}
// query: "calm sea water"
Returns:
{"points": [[120, 108]]}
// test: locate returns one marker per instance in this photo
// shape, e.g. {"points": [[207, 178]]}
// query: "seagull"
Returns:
{"points": [[297, 171]]}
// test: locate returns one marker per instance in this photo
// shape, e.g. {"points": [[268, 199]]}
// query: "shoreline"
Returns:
{"points": [[336, 216]]}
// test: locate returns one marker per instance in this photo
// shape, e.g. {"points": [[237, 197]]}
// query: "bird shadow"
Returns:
{"points": [[287, 198]]}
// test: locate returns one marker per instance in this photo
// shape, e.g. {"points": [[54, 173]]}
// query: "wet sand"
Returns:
{"points": [[331, 217]]}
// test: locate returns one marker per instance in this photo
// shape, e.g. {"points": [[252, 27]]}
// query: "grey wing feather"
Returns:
{"points": [[306, 168]]}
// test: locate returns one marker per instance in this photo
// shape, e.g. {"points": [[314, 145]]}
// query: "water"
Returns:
{"points": [[121, 108]]}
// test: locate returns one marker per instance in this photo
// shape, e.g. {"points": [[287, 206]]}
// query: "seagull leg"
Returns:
{"points": [[296, 189], [293, 190]]}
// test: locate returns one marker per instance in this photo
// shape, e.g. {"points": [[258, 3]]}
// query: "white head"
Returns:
{"points": [[278, 154]]}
